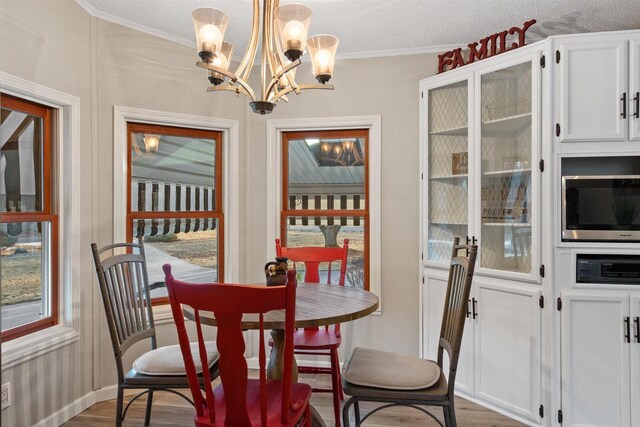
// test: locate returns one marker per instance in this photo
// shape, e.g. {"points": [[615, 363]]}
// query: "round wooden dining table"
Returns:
{"points": [[316, 305]]}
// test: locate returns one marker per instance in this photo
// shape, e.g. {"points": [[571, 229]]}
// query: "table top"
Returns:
{"points": [[316, 305]]}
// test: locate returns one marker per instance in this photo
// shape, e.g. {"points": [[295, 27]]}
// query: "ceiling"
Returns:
{"points": [[369, 28]]}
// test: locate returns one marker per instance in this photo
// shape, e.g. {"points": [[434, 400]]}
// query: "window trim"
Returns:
{"points": [[230, 173], [364, 213], [69, 178], [44, 215], [217, 214], [275, 128]]}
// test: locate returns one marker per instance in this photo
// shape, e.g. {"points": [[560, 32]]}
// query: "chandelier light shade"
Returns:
{"points": [[322, 49], [210, 25], [283, 39]]}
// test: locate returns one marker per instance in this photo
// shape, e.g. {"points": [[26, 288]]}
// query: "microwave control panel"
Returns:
{"points": [[608, 269]]}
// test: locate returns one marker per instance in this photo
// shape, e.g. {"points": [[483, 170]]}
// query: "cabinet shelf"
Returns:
{"points": [[507, 224], [506, 125], [447, 223], [507, 172], [458, 131], [448, 177]]}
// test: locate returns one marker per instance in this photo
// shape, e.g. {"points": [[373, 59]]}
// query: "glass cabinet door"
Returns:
{"points": [[506, 169], [448, 169]]}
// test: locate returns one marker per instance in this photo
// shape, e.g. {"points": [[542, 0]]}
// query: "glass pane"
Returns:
{"points": [[25, 274], [327, 174], [172, 173], [448, 169], [21, 137], [331, 231], [506, 169], [189, 245]]}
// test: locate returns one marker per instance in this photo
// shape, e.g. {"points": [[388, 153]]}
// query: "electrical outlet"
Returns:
{"points": [[6, 395]]}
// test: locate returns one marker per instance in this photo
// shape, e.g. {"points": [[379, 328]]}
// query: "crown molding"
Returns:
{"points": [[133, 25], [189, 43], [399, 52]]}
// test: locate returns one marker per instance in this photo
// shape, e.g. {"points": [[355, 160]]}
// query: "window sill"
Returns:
{"points": [[34, 345]]}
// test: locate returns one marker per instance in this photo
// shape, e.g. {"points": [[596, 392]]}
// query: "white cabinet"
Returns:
{"points": [[600, 359], [634, 89], [598, 80], [501, 346], [635, 359], [481, 143]]}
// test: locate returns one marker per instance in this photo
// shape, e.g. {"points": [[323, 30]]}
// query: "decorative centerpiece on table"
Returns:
{"points": [[276, 271]]}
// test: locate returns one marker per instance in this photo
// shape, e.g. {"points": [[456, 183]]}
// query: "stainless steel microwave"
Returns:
{"points": [[601, 208]]}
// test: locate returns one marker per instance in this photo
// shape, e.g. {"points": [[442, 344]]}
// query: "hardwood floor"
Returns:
{"points": [[171, 410]]}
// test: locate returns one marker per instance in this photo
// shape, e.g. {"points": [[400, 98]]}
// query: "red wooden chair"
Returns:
{"points": [[316, 341], [240, 401]]}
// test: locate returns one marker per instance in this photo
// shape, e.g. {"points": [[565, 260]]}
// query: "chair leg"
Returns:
{"points": [[147, 414], [345, 411], [119, 405], [356, 411], [452, 416], [445, 413], [335, 384]]}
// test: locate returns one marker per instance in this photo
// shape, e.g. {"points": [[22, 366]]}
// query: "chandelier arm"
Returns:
{"points": [[283, 71], [301, 87], [264, 62], [222, 71], [236, 89], [250, 53]]}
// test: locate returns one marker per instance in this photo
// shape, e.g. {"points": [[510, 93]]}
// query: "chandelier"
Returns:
{"points": [[284, 41]]}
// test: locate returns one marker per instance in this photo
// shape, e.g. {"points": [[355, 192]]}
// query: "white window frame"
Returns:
{"points": [[68, 177], [275, 128], [230, 180]]}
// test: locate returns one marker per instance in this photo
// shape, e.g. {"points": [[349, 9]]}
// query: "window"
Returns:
{"points": [[325, 194], [28, 219], [175, 202]]}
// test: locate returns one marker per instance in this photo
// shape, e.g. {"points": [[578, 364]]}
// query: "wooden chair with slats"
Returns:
{"points": [[124, 285], [394, 379], [320, 341], [239, 401]]}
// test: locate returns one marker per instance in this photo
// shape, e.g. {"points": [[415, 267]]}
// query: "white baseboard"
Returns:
{"points": [[110, 392]]}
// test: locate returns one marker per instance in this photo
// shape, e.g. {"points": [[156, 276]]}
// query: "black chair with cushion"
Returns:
{"points": [[399, 380], [124, 285]]}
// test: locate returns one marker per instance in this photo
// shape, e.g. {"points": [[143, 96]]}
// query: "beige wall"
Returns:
{"points": [[48, 43], [387, 87], [55, 43]]}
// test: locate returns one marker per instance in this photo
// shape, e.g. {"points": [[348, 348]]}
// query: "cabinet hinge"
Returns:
{"points": [[542, 61], [421, 94], [541, 301], [557, 129], [559, 304], [557, 56], [421, 256], [542, 270], [423, 280], [560, 416], [421, 176], [541, 411], [541, 164]]}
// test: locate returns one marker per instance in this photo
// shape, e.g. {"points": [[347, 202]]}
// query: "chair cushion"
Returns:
{"points": [[392, 371], [168, 360]]}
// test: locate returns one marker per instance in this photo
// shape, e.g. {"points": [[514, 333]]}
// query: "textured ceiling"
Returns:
{"points": [[376, 28]]}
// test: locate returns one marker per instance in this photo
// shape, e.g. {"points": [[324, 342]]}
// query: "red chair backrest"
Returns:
{"points": [[228, 303], [312, 256]]}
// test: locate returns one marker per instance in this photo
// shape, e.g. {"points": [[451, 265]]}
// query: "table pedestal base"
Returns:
{"points": [[275, 367]]}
